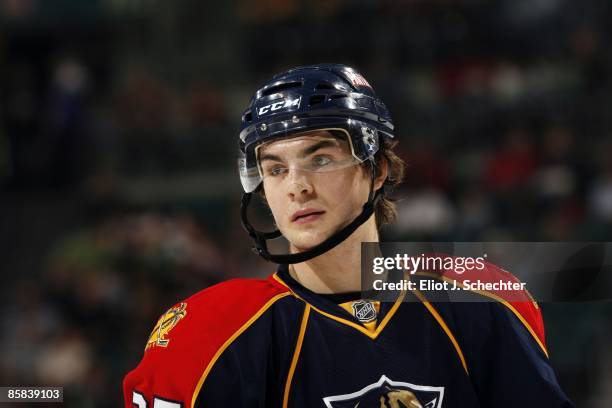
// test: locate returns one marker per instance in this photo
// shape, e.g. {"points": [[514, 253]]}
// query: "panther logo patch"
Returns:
{"points": [[166, 323], [389, 394]]}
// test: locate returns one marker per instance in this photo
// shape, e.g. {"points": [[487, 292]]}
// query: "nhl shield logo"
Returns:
{"points": [[364, 311], [389, 394]]}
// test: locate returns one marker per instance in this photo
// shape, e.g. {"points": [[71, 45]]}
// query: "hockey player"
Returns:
{"points": [[316, 145]]}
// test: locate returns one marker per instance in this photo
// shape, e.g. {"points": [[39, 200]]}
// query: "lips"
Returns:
{"points": [[306, 214]]}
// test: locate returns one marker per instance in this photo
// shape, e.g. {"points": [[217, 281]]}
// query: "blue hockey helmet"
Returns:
{"points": [[323, 96]]}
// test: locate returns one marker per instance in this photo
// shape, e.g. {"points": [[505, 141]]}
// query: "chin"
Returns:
{"points": [[304, 240]]}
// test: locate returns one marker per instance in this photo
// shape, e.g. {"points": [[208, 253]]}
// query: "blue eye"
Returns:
{"points": [[321, 161], [276, 171]]}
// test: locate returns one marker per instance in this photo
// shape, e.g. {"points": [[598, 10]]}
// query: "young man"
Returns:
{"points": [[316, 145]]}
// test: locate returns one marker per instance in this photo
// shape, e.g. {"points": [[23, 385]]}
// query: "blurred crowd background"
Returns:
{"points": [[118, 138]]}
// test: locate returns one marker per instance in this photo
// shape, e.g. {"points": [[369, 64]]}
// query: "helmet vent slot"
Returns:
{"points": [[337, 96], [281, 87], [324, 85], [316, 99]]}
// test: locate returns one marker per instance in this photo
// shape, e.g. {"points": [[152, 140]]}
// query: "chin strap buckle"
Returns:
{"points": [[259, 251]]}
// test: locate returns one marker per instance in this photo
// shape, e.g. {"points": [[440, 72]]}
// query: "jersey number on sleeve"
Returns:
{"points": [[139, 401]]}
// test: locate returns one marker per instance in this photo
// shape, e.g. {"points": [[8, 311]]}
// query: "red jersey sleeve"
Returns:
{"points": [[190, 336]]}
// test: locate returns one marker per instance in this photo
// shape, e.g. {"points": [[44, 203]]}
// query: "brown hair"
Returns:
{"points": [[385, 212]]}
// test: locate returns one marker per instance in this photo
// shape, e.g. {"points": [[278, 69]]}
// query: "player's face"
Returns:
{"points": [[313, 186]]}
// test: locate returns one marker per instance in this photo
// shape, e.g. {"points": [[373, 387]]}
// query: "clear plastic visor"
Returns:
{"points": [[316, 153]]}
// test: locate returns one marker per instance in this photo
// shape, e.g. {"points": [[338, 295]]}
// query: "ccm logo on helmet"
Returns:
{"points": [[284, 104]]}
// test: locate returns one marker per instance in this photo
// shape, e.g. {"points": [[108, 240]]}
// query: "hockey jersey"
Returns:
{"points": [[274, 343]]}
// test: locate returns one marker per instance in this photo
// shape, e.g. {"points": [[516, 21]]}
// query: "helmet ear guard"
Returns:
{"points": [[330, 97]]}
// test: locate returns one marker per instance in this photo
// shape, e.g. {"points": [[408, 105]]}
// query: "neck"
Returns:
{"points": [[339, 269]]}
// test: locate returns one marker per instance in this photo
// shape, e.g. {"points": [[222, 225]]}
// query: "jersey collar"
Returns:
{"points": [[324, 306]]}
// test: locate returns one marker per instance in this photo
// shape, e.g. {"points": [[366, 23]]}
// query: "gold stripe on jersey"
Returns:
{"points": [[444, 326], [500, 300], [230, 341], [371, 323], [296, 355]]}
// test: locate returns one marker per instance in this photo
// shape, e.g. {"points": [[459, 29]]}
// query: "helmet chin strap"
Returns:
{"points": [[260, 237]]}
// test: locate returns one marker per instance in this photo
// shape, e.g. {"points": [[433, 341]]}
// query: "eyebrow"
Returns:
{"points": [[306, 152]]}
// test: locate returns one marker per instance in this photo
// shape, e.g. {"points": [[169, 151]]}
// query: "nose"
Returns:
{"points": [[299, 183]]}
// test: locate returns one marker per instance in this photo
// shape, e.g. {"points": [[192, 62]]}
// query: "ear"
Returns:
{"points": [[383, 171]]}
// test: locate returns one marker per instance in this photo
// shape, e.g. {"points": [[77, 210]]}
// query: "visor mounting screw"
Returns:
{"points": [[263, 127], [295, 119]]}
